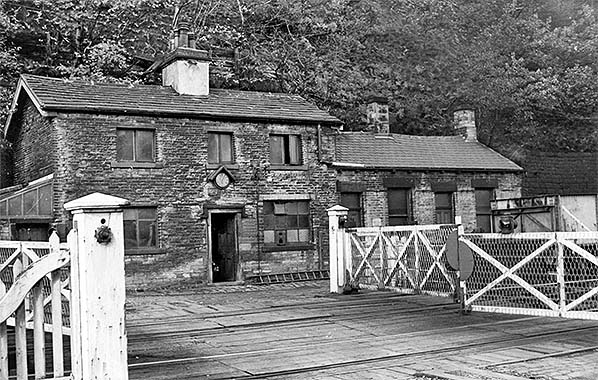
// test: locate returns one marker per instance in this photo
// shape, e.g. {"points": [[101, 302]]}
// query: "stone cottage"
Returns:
{"points": [[222, 184], [393, 179]]}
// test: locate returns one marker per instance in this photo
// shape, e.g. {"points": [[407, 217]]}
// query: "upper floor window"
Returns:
{"points": [[482, 209], [140, 227], [444, 208], [135, 145], [399, 206], [352, 201], [285, 150], [220, 148]]}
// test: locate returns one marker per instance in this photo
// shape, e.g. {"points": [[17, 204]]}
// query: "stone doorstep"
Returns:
{"points": [[476, 374]]}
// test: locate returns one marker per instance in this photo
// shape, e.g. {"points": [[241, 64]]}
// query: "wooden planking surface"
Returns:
{"points": [[360, 331]]}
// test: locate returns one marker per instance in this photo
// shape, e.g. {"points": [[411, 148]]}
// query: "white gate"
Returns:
{"points": [[546, 274], [408, 259]]}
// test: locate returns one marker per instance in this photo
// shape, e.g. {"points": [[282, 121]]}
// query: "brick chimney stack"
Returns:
{"points": [[465, 123], [186, 69], [377, 113]]}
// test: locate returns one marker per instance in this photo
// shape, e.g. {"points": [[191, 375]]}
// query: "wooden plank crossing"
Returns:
{"points": [[302, 333]]}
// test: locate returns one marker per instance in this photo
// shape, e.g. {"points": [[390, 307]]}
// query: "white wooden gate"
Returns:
{"points": [[408, 259], [546, 274], [47, 286]]}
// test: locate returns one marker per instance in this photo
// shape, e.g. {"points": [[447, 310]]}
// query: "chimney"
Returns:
{"points": [[377, 113], [465, 123], [185, 68]]}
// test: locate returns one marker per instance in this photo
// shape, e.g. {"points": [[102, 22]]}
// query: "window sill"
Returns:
{"points": [[136, 165], [228, 166], [288, 167], [144, 251], [280, 248]]}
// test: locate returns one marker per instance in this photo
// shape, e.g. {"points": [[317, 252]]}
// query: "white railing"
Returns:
{"points": [[32, 298], [409, 259], [546, 274]]}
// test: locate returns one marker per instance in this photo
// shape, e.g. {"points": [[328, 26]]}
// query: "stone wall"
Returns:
{"points": [[375, 203], [178, 186]]}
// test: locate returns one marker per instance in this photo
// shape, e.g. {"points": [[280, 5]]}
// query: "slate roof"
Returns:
{"points": [[59, 95], [395, 151]]}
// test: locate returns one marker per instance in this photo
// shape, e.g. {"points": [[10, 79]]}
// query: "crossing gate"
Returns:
{"points": [[544, 274], [409, 259]]}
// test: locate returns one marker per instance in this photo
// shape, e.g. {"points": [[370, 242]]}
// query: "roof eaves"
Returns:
{"points": [[191, 114], [349, 165]]}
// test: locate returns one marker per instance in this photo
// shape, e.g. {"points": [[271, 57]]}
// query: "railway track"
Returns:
{"points": [[377, 324]]}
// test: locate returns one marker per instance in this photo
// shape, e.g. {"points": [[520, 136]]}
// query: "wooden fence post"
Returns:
{"points": [[99, 342], [336, 247]]}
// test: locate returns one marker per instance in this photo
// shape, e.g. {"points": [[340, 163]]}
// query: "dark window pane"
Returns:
{"points": [[482, 200], [483, 223], [292, 221], [213, 153], [14, 206], [303, 220], [144, 146], [226, 148], [276, 149], [147, 234], [443, 200], [303, 207], [280, 221], [269, 222], [398, 201], [124, 145], [398, 221], [4, 208], [351, 200], [147, 213], [294, 150], [45, 200], [268, 208], [353, 219], [130, 227], [30, 202]]}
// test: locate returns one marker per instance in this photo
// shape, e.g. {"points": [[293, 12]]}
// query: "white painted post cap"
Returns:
{"points": [[337, 209], [96, 201]]}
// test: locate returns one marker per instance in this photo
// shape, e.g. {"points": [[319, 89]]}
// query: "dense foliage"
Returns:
{"points": [[529, 67]]}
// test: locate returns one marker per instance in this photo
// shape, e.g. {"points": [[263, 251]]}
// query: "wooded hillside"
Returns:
{"points": [[529, 66]]}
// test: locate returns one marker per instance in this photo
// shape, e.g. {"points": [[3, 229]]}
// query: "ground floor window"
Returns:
{"points": [[482, 209], [352, 201], [444, 208], [140, 227], [399, 206], [286, 223]]}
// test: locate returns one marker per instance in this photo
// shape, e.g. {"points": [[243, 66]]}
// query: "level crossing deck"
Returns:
{"points": [[300, 331]]}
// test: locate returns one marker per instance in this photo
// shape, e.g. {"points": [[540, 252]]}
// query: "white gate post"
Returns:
{"points": [[98, 337], [336, 214]]}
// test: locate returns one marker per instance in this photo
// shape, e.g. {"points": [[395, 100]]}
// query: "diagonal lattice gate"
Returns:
{"points": [[409, 259], [547, 274]]}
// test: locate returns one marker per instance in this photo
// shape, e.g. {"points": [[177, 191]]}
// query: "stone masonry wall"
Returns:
{"points": [[375, 203], [37, 155], [179, 188]]}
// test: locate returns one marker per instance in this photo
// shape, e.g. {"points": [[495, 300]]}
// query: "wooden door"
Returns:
{"points": [[224, 247]]}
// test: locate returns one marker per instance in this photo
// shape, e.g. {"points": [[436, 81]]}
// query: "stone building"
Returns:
{"points": [[222, 184], [392, 179]]}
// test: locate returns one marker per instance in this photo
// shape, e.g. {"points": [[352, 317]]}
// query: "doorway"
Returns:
{"points": [[225, 258]]}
